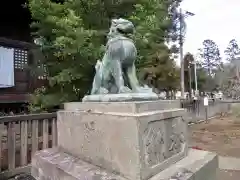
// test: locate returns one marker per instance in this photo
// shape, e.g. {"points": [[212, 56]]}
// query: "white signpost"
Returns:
{"points": [[205, 103]]}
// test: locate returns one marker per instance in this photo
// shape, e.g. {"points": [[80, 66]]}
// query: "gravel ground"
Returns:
{"points": [[228, 175], [220, 135]]}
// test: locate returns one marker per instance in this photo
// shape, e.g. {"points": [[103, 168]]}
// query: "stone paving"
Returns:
{"points": [[229, 163]]}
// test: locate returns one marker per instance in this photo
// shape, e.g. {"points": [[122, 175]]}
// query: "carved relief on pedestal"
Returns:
{"points": [[162, 140], [153, 143], [177, 138]]}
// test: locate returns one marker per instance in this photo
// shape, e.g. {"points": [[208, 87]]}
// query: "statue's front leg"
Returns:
{"points": [[117, 74], [106, 77], [100, 79], [97, 78]]}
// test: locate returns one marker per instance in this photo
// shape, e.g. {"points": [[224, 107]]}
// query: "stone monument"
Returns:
{"points": [[122, 131]]}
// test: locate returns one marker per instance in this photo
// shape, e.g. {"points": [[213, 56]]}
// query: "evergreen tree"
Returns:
{"points": [[72, 34], [177, 18], [232, 53], [210, 55], [154, 20], [69, 51], [232, 50], [202, 77], [189, 71]]}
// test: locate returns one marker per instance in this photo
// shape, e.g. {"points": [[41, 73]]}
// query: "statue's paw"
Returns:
{"points": [[103, 90], [144, 89], [125, 89]]}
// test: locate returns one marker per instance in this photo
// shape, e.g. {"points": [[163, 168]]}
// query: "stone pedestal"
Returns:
{"points": [[117, 140]]}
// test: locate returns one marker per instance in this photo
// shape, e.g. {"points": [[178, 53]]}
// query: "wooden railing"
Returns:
{"points": [[21, 136]]}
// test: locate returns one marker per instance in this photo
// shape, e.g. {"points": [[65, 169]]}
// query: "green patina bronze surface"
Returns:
{"points": [[116, 73]]}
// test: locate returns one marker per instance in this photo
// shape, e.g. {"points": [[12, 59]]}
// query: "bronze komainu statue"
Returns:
{"points": [[116, 73]]}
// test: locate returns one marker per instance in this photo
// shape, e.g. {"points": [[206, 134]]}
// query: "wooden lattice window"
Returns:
{"points": [[20, 58]]}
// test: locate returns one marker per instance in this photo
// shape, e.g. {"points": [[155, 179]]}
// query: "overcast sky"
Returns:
{"points": [[218, 20]]}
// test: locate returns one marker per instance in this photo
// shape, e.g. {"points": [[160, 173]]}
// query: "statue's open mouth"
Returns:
{"points": [[125, 31]]}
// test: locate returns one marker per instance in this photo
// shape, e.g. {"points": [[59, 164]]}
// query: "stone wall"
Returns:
{"points": [[197, 112]]}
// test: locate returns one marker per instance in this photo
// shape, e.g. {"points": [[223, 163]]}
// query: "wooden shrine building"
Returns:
{"points": [[15, 34]]}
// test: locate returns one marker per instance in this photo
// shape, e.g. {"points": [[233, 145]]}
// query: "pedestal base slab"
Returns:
{"points": [[52, 164]]}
